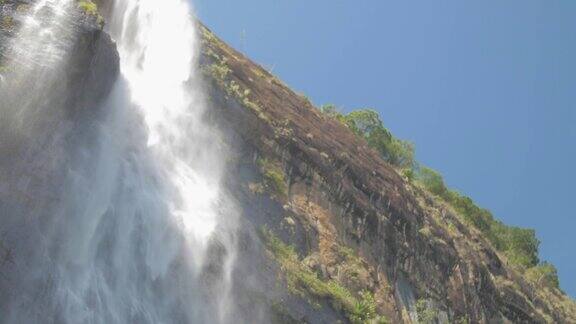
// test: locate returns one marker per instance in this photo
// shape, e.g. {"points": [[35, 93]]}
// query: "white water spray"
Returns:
{"points": [[158, 47], [34, 57], [43, 39], [138, 229]]}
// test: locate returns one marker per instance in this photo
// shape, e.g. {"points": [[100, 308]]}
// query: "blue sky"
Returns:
{"points": [[485, 89]]}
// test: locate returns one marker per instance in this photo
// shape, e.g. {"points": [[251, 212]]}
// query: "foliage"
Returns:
{"points": [[366, 307], [301, 280], [520, 245], [352, 265], [432, 181], [274, 179], [544, 274], [409, 174], [462, 320], [366, 123], [426, 313], [220, 72], [366, 310], [479, 217], [88, 7], [332, 112]]}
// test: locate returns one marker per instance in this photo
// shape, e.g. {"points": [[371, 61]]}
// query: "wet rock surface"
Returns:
{"points": [[42, 106], [91, 60]]}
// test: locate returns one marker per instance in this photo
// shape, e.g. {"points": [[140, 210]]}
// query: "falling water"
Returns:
{"points": [[132, 225], [158, 47]]}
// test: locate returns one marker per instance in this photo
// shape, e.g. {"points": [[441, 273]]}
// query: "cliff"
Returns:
{"points": [[330, 231], [90, 65], [349, 237], [41, 102]]}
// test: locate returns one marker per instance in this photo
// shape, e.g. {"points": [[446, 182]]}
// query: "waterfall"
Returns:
{"points": [[158, 47], [130, 222]]}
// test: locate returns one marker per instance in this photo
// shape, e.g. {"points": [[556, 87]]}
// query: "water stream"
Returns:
{"points": [[122, 219]]}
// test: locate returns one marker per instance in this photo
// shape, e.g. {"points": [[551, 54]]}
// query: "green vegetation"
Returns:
{"points": [[518, 244], [304, 282], [462, 320], [366, 310], [367, 124], [90, 9], [426, 313], [351, 264], [219, 71], [544, 274], [274, 179]]}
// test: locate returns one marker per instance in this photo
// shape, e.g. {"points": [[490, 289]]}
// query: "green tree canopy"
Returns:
{"points": [[367, 124], [545, 274]]}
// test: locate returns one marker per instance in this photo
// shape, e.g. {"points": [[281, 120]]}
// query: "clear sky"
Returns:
{"points": [[485, 89]]}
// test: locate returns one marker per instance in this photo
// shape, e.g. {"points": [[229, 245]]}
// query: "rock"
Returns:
{"points": [[376, 213], [91, 65]]}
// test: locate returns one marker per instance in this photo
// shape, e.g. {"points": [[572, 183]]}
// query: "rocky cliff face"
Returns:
{"points": [[42, 105], [343, 236], [91, 63]]}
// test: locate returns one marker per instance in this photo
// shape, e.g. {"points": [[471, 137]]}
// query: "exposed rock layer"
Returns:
{"points": [[416, 255]]}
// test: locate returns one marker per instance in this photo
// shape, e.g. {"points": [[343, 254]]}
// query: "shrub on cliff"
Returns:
{"points": [[425, 312], [520, 245], [366, 123], [302, 281], [544, 274], [432, 181], [273, 176], [88, 7]]}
